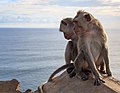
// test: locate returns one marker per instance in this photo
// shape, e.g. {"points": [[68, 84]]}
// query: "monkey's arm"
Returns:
{"points": [[68, 53], [58, 70], [90, 60]]}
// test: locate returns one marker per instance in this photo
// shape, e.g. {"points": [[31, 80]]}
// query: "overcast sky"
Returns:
{"points": [[48, 13]]}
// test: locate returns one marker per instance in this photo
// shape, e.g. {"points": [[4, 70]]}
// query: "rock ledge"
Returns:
{"points": [[63, 84]]}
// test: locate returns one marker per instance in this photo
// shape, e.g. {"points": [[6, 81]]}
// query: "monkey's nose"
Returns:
{"points": [[60, 29]]}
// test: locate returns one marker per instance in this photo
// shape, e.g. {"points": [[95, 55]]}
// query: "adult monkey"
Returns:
{"points": [[71, 50], [92, 42]]}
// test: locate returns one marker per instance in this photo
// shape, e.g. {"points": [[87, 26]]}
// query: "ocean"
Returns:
{"points": [[30, 55]]}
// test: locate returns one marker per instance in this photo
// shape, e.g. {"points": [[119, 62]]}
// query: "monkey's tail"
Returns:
{"points": [[58, 70]]}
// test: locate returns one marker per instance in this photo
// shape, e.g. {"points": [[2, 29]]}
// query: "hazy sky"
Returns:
{"points": [[48, 13]]}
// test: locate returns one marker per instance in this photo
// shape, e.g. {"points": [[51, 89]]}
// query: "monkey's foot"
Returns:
{"points": [[98, 82], [84, 77], [70, 69], [71, 75], [109, 73]]}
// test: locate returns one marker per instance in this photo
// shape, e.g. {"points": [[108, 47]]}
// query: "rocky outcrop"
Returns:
{"points": [[12, 86], [63, 84]]}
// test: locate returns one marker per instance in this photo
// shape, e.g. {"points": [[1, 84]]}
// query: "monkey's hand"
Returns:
{"points": [[72, 74], [98, 82]]}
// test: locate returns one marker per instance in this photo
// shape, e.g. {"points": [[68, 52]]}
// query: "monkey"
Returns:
{"points": [[71, 47], [94, 29], [66, 27], [92, 41]]}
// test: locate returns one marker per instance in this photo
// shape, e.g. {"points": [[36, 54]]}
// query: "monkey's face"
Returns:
{"points": [[82, 19], [78, 30], [67, 27]]}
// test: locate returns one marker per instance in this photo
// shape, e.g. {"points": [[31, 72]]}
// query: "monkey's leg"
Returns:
{"points": [[86, 71], [78, 63], [106, 59]]}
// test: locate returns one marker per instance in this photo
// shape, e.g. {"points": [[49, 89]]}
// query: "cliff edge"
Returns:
{"points": [[64, 84]]}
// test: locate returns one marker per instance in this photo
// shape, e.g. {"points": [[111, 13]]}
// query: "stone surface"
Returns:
{"points": [[12, 86], [63, 84]]}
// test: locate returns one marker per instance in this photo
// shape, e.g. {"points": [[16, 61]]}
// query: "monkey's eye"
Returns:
{"points": [[63, 23]]}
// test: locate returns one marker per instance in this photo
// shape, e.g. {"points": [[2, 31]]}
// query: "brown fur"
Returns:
{"points": [[92, 41]]}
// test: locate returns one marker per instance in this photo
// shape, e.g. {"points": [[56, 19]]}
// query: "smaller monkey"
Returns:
{"points": [[66, 26]]}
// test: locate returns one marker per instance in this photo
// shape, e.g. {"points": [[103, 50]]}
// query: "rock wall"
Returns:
{"points": [[12, 86]]}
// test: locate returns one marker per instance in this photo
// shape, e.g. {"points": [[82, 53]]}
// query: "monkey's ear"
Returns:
{"points": [[87, 17]]}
